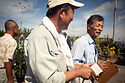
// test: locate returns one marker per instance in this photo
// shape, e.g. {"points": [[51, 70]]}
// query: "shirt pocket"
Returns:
{"points": [[60, 60], [54, 53]]}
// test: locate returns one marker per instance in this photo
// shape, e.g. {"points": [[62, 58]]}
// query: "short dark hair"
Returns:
{"points": [[51, 12], [64, 33], [90, 21], [9, 24]]}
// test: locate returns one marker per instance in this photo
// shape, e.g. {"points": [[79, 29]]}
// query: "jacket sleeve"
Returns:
{"points": [[43, 63]]}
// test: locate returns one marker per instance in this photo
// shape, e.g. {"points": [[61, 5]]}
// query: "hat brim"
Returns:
{"points": [[76, 4], [72, 2]]}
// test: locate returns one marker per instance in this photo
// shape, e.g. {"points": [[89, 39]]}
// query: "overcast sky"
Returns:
{"points": [[35, 10]]}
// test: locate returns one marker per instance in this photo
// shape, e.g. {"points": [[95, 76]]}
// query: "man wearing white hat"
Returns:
{"points": [[48, 56]]}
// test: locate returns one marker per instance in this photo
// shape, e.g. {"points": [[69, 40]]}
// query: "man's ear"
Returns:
{"points": [[61, 12], [12, 29], [15, 28], [88, 26]]}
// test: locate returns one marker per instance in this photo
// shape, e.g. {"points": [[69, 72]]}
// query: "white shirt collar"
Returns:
{"points": [[6, 34], [90, 40], [47, 22]]}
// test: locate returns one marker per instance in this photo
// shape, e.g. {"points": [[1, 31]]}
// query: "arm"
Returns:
{"points": [[78, 52], [80, 71], [8, 66], [103, 66]]}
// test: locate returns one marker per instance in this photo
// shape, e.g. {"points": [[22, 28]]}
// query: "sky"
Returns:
{"points": [[31, 12]]}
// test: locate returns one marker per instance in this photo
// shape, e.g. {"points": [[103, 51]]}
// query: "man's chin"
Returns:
{"points": [[97, 34]]}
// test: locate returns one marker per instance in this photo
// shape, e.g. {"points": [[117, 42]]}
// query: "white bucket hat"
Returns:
{"points": [[53, 3]]}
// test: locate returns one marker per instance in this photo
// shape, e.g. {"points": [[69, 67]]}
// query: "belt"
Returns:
{"points": [[2, 67]]}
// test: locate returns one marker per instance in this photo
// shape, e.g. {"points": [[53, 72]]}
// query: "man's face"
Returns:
{"points": [[95, 29], [16, 31], [67, 18]]}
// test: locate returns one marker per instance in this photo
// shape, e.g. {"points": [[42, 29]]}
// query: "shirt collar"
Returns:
{"points": [[47, 22], [6, 34], [90, 40]]}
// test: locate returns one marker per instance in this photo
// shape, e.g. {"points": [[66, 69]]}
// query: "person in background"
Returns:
{"points": [[7, 48], [47, 59], [84, 48], [67, 39]]}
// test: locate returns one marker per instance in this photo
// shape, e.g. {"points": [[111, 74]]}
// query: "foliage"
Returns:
{"points": [[25, 32], [1, 33], [98, 46], [73, 38], [107, 47], [20, 68], [117, 46]]}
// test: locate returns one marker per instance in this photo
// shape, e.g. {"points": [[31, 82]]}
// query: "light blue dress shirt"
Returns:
{"points": [[84, 51]]}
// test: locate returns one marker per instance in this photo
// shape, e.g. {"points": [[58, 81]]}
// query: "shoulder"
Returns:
{"points": [[39, 32], [82, 40], [8, 40]]}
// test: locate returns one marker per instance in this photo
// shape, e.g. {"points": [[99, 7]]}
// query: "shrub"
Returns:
{"points": [[107, 47]]}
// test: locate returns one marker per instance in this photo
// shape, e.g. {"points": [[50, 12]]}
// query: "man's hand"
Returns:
{"points": [[86, 71], [88, 64], [83, 71], [103, 66]]}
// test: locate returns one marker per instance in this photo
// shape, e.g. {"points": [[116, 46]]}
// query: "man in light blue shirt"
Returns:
{"points": [[84, 48]]}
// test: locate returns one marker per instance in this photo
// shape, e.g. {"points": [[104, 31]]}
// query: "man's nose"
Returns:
{"points": [[100, 28]]}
